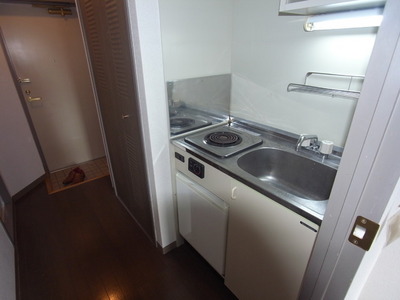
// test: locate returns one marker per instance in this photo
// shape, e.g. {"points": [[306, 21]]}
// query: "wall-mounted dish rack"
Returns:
{"points": [[311, 89]]}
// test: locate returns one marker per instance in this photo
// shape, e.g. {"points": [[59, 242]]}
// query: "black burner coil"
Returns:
{"points": [[223, 139]]}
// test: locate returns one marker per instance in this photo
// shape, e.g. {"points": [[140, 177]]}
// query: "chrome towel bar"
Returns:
{"points": [[311, 89]]}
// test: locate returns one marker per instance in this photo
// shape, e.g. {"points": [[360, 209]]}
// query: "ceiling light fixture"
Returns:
{"points": [[349, 19]]}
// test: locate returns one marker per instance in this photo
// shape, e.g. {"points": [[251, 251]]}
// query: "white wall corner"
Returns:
{"points": [[146, 38]]}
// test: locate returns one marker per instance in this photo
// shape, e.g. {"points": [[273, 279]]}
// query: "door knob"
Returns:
{"points": [[125, 117]]}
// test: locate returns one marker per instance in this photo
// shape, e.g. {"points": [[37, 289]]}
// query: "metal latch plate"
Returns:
{"points": [[363, 233]]}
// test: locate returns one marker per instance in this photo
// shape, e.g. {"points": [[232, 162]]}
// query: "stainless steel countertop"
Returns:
{"points": [[311, 209]]}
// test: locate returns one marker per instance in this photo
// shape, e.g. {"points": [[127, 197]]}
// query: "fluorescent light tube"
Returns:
{"points": [[350, 19]]}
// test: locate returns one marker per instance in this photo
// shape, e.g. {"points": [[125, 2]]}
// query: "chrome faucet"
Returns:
{"points": [[304, 137]]}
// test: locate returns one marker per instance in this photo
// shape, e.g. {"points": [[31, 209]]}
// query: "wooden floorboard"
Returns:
{"points": [[82, 244]]}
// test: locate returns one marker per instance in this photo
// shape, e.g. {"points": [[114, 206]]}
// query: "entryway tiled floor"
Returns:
{"points": [[93, 169]]}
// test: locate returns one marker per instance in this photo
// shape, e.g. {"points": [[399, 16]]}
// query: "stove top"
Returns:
{"points": [[223, 141], [184, 124]]}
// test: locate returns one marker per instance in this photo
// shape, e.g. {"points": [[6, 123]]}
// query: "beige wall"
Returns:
{"points": [[49, 50]]}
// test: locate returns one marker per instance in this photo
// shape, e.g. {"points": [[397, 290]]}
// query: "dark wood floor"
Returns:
{"points": [[81, 244]]}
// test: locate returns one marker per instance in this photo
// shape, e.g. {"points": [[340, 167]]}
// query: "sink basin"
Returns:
{"points": [[289, 172]]}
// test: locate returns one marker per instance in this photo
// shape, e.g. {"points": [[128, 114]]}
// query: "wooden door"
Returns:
{"points": [[48, 50], [106, 29], [20, 160]]}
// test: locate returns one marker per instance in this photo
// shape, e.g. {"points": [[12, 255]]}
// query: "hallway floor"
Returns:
{"points": [[81, 244]]}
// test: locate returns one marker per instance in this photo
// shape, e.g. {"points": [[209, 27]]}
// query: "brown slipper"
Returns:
{"points": [[69, 178], [79, 176]]}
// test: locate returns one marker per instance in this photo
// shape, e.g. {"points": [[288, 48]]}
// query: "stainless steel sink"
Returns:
{"points": [[291, 173]]}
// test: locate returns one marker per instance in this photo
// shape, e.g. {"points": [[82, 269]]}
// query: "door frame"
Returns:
{"points": [[6, 200], [367, 164]]}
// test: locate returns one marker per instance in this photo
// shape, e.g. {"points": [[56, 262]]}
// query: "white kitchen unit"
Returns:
{"points": [[268, 246], [310, 7]]}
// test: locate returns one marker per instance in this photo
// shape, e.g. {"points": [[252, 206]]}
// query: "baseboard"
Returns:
{"points": [[168, 248], [28, 188]]}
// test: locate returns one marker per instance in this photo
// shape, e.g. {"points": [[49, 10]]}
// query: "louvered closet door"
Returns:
{"points": [[127, 95], [93, 15], [105, 26]]}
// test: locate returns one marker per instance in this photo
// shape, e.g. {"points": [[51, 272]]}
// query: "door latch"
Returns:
{"points": [[363, 233]]}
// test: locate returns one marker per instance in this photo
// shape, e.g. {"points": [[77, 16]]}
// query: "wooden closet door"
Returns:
{"points": [[107, 36]]}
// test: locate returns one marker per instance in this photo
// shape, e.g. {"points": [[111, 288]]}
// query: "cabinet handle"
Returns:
{"points": [[308, 226], [233, 192]]}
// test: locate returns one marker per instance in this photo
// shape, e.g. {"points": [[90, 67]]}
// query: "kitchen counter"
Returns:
{"points": [[313, 210]]}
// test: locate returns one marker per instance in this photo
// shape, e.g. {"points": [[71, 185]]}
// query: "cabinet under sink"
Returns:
{"points": [[268, 246], [262, 248]]}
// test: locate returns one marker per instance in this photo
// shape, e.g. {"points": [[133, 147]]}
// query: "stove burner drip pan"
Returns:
{"points": [[180, 125], [181, 122]]}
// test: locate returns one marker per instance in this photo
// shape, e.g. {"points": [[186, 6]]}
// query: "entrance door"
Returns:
{"points": [[20, 162], [48, 55]]}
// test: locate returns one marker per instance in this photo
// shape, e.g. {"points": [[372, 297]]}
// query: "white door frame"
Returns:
{"points": [[367, 175]]}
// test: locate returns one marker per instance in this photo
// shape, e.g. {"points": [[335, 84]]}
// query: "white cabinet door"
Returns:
{"points": [[268, 247], [202, 221]]}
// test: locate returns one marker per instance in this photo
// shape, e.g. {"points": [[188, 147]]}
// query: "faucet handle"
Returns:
{"points": [[326, 147]]}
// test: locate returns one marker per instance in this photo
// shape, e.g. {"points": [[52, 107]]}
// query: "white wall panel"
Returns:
{"points": [[146, 37], [270, 51], [196, 37]]}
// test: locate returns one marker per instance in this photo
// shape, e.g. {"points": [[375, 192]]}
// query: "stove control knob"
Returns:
{"points": [[196, 168]]}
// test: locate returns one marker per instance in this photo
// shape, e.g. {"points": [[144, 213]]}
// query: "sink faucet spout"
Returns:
{"points": [[304, 137]]}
